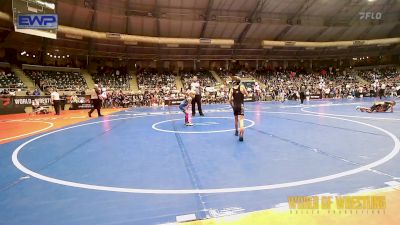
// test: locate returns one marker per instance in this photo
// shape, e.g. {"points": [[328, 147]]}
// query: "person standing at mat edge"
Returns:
{"points": [[236, 99], [95, 97], [195, 86], [55, 99]]}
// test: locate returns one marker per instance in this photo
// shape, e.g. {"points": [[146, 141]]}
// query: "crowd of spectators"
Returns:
{"points": [[385, 80], [204, 77], [155, 88], [227, 74], [287, 85], [274, 85], [61, 80], [10, 82], [115, 78], [154, 80], [116, 99]]}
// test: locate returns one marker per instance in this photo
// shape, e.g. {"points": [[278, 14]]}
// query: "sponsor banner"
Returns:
{"points": [[76, 106], [7, 106], [173, 101], [80, 99], [27, 100], [37, 21], [315, 96], [249, 99], [210, 89]]}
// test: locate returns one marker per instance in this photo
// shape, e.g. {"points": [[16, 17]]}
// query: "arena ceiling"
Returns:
{"points": [[248, 22]]}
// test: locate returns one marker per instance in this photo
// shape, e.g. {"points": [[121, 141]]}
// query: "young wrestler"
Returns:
{"points": [[184, 107], [378, 107], [236, 99]]}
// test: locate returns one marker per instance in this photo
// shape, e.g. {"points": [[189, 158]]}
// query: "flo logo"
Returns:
{"points": [[370, 15]]}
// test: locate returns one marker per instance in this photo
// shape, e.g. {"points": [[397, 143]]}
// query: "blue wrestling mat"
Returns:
{"points": [[144, 166]]}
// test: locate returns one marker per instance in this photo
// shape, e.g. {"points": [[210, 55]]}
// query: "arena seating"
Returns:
{"points": [[114, 78], [226, 74], [387, 74], [66, 81], [204, 77], [8, 80], [328, 86], [151, 80]]}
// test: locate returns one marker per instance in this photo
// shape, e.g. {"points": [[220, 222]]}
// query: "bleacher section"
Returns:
{"points": [[113, 78], [8, 80], [151, 80], [205, 78], [62, 80]]}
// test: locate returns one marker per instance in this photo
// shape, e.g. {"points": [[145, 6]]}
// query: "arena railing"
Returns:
{"points": [[77, 32], [49, 68], [328, 44]]}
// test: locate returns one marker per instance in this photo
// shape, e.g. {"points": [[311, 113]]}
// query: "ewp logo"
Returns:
{"points": [[37, 21]]}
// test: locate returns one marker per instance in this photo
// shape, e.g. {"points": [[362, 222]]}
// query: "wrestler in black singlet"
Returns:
{"points": [[238, 101]]}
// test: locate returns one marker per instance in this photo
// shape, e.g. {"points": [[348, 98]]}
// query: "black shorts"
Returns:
{"points": [[238, 110]]}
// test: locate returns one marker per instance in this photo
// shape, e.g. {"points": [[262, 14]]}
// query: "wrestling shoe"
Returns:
{"points": [[236, 133], [189, 124], [241, 138]]}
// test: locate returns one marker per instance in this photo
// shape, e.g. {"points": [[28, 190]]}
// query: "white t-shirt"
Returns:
{"points": [[195, 86], [93, 94], [55, 96]]}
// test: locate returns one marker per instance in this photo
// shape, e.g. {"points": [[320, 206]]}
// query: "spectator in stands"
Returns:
{"points": [[36, 92], [382, 91], [12, 92], [195, 86], [398, 89], [4, 92]]}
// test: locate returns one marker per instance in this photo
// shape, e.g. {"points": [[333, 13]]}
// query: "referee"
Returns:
{"points": [[55, 99], [302, 93], [95, 97], [195, 86]]}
